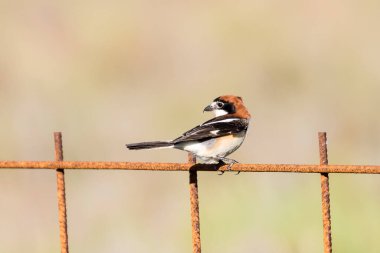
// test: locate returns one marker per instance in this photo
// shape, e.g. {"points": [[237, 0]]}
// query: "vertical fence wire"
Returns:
{"points": [[194, 207], [61, 195], [325, 194]]}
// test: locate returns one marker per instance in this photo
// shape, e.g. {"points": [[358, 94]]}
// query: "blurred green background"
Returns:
{"points": [[106, 73]]}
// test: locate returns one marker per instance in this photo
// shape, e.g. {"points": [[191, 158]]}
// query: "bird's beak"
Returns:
{"points": [[208, 108]]}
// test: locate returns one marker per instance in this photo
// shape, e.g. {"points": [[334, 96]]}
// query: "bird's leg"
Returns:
{"points": [[230, 163], [213, 160], [221, 163]]}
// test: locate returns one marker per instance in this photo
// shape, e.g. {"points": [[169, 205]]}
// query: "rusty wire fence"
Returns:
{"points": [[323, 168]]}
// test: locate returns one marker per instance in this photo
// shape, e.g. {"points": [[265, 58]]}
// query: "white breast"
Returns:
{"points": [[218, 147]]}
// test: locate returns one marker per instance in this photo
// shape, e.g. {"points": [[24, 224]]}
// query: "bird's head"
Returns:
{"points": [[228, 104]]}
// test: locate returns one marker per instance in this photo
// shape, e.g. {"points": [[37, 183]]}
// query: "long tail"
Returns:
{"points": [[150, 145]]}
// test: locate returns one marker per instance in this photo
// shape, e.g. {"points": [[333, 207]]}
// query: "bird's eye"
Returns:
{"points": [[219, 104]]}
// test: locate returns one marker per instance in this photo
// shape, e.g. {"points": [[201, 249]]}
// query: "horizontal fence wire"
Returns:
{"points": [[296, 168]]}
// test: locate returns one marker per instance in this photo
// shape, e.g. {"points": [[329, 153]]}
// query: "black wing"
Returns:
{"points": [[212, 129]]}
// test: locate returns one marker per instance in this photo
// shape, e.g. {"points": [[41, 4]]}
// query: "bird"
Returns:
{"points": [[215, 139]]}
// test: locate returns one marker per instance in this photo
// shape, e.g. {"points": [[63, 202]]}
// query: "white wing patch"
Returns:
{"points": [[220, 121], [214, 132]]}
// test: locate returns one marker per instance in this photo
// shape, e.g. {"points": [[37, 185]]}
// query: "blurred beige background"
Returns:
{"points": [[106, 73]]}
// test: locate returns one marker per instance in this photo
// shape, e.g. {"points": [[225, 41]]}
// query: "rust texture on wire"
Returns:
{"points": [[295, 168], [194, 207], [61, 195], [325, 194]]}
